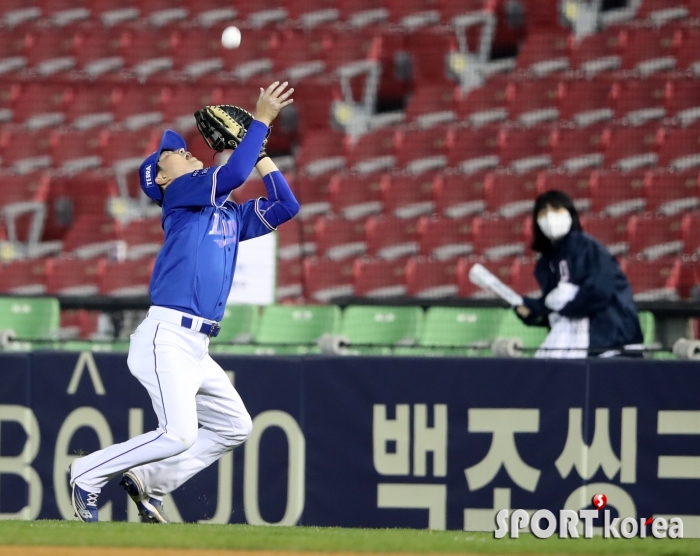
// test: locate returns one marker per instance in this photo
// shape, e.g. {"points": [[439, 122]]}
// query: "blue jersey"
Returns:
{"points": [[194, 270]]}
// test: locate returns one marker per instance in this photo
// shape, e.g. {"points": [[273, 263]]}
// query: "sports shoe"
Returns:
{"points": [[84, 503], [151, 509]]}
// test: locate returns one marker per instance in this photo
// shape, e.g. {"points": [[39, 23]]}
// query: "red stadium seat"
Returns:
{"points": [[23, 277], [421, 150], [680, 149], [197, 51], [325, 279], [92, 235], [20, 188], [429, 279], [510, 195], [90, 106], [344, 48], [321, 151], [525, 149], [373, 151], [337, 238], [130, 278], [431, 104], [299, 53], [586, 102], [534, 101], [295, 239], [617, 193], [122, 144], [41, 101], [579, 148], [611, 232], [485, 104], [290, 281], [651, 50], [76, 150], [49, 52], [445, 238], [459, 195], [655, 10], [135, 99], [629, 148], [180, 103], [89, 192], [79, 323], [473, 149], [600, 51], [640, 100], [301, 10], [407, 196], [97, 51], [576, 185], [691, 234], [24, 150], [143, 237], [522, 278], [654, 237], [430, 50], [356, 196], [689, 280], [653, 280], [147, 50], [689, 56], [496, 238], [400, 9], [683, 100], [670, 193], [501, 268], [313, 194], [74, 276], [379, 278], [391, 238], [314, 103], [545, 51]]}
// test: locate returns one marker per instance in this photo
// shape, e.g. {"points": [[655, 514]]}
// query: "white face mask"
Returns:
{"points": [[555, 224]]}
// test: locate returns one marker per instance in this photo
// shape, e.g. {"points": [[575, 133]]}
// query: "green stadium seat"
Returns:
{"points": [[31, 318], [239, 325], [512, 327], [249, 349], [298, 324], [381, 326], [451, 326]]}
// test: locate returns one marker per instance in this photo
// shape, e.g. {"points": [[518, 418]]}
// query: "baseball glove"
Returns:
{"points": [[224, 126]]}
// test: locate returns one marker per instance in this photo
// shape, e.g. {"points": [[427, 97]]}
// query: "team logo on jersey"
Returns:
{"points": [[224, 227]]}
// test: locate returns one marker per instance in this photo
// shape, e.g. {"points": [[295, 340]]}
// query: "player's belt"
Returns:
{"points": [[210, 329], [198, 324]]}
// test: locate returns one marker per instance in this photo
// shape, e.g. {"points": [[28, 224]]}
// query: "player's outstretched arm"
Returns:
{"points": [[280, 205], [241, 162]]}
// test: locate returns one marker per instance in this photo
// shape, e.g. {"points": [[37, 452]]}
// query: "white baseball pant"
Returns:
{"points": [[186, 387]]}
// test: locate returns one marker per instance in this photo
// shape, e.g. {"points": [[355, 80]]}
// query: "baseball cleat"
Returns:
{"points": [[151, 509], [84, 503]]}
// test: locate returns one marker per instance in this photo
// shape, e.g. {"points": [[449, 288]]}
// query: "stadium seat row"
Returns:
{"points": [[279, 329], [322, 280]]}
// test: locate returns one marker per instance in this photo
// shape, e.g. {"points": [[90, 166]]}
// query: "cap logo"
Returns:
{"points": [[149, 181]]}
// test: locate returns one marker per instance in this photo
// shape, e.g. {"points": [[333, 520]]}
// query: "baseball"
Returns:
{"points": [[231, 37]]}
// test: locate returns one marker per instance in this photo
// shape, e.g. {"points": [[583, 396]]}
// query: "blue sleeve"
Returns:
{"points": [[261, 216], [594, 270], [242, 160], [197, 189]]}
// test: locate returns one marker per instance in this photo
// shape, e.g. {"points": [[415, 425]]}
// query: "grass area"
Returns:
{"points": [[321, 539]]}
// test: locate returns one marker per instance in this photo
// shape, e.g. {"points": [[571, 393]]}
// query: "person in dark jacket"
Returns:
{"points": [[580, 281]]}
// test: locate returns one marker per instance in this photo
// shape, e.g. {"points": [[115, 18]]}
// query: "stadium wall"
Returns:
{"points": [[376, 442]]}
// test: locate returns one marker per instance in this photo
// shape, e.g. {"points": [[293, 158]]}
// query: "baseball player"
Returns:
{"points": [[191, 281]]}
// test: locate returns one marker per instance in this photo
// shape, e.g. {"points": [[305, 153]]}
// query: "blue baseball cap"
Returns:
{"points": [[171, 141]]}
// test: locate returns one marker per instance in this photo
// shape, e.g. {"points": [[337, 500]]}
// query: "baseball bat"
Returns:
{"points": [[480, 276]]}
